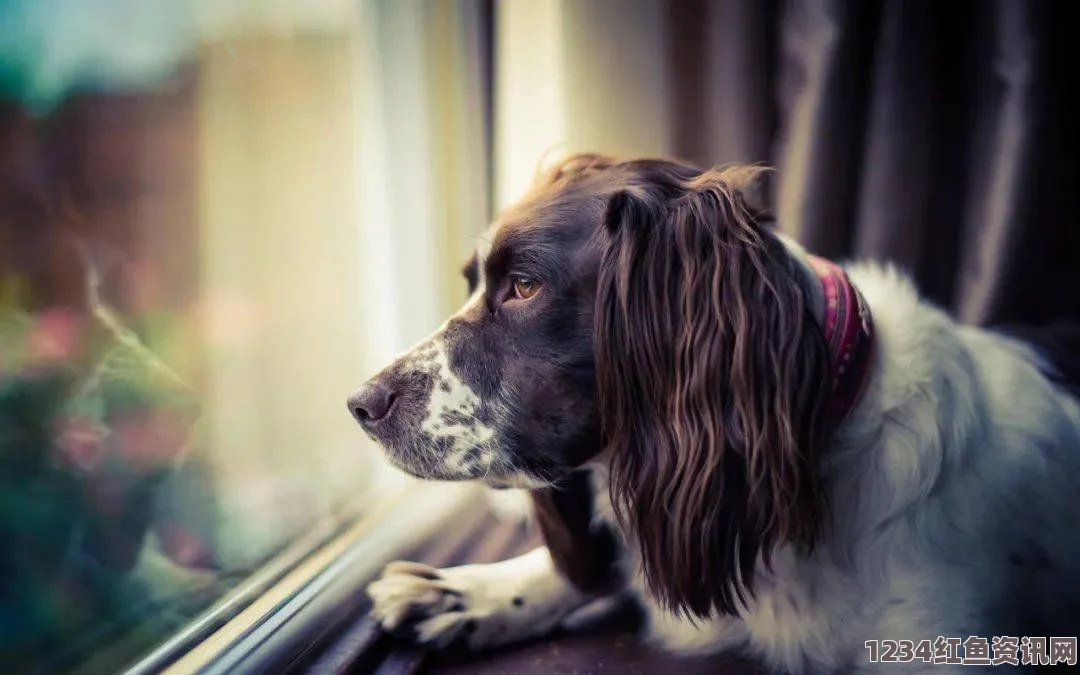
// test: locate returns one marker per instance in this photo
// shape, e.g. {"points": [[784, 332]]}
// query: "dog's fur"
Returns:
{"points": [[663, 394]]}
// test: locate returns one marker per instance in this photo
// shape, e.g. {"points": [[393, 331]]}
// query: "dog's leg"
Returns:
{"points": [[483, 605], [512, 600]]}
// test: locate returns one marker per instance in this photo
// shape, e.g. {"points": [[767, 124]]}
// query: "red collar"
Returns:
{"points": [[849, 332]]}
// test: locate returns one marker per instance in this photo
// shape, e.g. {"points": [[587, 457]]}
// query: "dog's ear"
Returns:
{"points": [[713, 381]]}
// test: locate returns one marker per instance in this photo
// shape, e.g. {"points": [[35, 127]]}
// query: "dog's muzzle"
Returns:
{"points": [[372, 403]]}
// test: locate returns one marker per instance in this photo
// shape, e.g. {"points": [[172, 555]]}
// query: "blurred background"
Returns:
{"points": [[218, 217]]}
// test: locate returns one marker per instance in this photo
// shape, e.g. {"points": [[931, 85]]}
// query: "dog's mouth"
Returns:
{"points": [[422, 455], [423, 471], [503, 482], [432, 466], [426, 428], [442, 458]]}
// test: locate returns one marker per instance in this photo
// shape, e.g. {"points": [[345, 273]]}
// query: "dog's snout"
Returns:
{"points": [[372, 402]]}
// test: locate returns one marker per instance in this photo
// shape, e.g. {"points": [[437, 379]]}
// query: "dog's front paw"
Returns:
{"points": [[429, 606]]}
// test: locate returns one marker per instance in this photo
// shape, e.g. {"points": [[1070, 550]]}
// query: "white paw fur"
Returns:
{"points": [[480, 606]]}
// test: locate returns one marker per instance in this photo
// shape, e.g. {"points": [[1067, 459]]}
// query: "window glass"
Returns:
{"points": [[215, 222]]}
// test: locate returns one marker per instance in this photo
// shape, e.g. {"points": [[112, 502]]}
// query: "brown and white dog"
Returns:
{"points": [[778, 455]]}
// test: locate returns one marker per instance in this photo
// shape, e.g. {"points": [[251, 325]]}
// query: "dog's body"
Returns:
{"points": [[662, 403]]}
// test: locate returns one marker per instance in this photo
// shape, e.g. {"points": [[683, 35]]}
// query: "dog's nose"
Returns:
{"points": [[372, 402]]}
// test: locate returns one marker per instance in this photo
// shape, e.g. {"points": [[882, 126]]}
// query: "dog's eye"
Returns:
{"points": [[525, 288]]}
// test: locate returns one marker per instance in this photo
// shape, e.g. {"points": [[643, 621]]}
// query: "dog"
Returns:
{"points": [[782, 457]]}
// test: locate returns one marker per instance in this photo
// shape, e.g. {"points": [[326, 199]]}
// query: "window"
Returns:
{"points": [[216, 220]]}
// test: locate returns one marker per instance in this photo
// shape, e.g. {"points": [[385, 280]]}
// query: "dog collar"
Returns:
{"points": [[849, 333]]}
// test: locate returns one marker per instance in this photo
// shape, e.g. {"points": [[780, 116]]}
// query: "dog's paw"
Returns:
{"points": [[431, 607]]}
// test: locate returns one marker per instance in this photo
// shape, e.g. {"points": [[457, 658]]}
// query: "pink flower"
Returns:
{"points": [[151, 439], [81, 443], [182, 546], [55, 335]]}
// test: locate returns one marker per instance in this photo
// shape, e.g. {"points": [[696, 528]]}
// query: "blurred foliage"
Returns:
{"points": [[91, 423]]}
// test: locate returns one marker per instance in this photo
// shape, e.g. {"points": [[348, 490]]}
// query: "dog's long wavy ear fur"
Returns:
{"points": [[713, 378]]}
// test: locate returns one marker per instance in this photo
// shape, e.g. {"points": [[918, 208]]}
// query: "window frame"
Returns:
{"points": [[302, 599]]}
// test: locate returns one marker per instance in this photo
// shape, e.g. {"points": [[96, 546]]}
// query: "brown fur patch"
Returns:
{"points": [[713, 381], [582, 550]]}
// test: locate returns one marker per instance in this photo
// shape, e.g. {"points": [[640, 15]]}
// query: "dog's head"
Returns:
{"points": [[642, 314]]}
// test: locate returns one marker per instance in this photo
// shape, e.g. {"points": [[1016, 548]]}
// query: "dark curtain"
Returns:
{"points": [[940, 136]]}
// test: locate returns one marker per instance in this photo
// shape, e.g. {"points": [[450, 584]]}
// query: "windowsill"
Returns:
{"points": [[606, 642], [311, 589], [312, 617]]}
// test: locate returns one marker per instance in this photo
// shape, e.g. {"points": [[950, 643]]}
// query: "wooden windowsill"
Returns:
{"points": [[610, 645]]}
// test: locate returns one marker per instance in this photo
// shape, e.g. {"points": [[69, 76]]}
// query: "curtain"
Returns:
{"points": [[933, 135]]}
